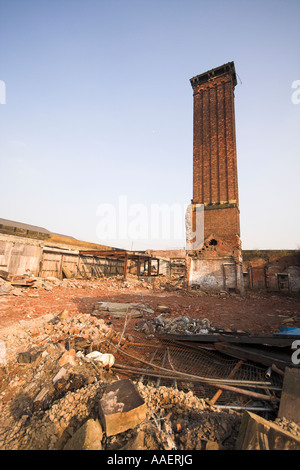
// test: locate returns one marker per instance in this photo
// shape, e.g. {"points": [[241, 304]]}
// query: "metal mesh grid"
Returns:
{"points": [[199, 362]]}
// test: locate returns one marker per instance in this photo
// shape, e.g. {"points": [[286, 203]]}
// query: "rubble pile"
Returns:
{"points": [[183, 325], [23, 286], [168, 398], [119, 309], [58, 375], [67, 329], [179, 325], [180, 421], [52, 384], [289, 426], [42, 383], [5, 287]]}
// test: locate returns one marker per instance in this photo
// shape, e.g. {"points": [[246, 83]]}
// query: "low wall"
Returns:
{"points": [[43, 259], [273, 270]]}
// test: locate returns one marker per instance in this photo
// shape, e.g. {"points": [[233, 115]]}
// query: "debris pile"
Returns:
{"points": [[63, 376], [52, 389], [118, 309], [289, 426], [70, 331], [5, 287], [183, 325]]}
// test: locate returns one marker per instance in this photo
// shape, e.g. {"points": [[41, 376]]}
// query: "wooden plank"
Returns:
{"points": [[290, 398], [264, 357], [66, 272], [125, 266], [230, 376], [276, 340]]}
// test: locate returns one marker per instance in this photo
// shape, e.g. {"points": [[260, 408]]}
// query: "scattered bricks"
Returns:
{"points": [[2, 372], [88, 437], [49, 329], [28, 356], [115, 339], [8, 397], [34, 332], [76, 381], [74, 330], [81, 343], [24, 357], [63, 315], [69, 357], [121, 407], [66, 329], [137, 443]]}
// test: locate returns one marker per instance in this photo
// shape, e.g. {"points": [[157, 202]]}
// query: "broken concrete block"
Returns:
{"points": [[81, 344], [137, 443], [121, 407], [290, 397], [69, 357], [24, 357], [42, 399], [257, 433], [163, 309], [76, 381], [88, 437], [61, 374], [117, 309], [212, 445], [28, 356], [63, 315]]}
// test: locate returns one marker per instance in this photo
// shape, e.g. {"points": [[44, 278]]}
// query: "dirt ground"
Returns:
{"points": [[29, 319], [255, 312]]}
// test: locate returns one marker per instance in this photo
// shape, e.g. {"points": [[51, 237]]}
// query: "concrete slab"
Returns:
{"points": [[121, 407], [289, 407], [257, 433], [88, 437]]}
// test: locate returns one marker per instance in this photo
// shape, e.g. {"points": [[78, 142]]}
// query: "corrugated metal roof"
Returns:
{"points": [[33, 228]]}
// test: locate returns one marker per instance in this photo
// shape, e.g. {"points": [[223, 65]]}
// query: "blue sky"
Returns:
{"points": [[99, 106]]}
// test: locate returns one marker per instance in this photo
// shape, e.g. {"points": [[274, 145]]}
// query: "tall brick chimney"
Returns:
{"points": [[217, 263], [215, 180]]}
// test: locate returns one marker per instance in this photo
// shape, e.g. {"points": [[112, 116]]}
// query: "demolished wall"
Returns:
{"points": [[44, 259], [273, 270]]}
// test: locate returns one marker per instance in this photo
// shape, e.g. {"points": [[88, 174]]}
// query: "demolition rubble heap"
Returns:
{"points": [[53, 388], [73, 380]]}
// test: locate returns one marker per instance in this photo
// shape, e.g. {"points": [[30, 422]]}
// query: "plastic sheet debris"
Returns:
{"points": [[288, 330], [107, 360]]}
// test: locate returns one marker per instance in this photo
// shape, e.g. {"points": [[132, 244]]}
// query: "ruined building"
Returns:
{"points": [[215, 263]]}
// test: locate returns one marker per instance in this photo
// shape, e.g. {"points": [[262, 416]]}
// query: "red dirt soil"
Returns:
{"points": [[256, 312]]}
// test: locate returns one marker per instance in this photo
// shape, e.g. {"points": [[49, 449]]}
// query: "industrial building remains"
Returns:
{"points": [[103, 348], [218, 264], [216, 261]]}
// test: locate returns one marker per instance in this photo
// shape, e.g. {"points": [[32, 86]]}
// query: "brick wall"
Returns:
{"points": [[215, 181], [225, 223]]}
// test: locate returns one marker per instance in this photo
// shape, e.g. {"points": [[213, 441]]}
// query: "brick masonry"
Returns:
{"points": [[215, 179]]}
